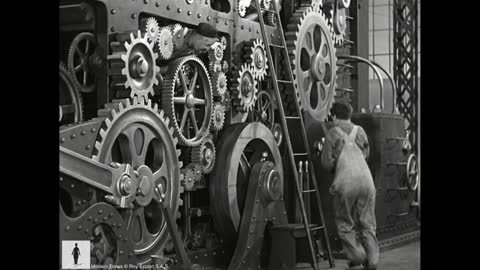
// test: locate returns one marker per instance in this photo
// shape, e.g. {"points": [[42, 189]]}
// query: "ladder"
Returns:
{"points": [[305, 152]]}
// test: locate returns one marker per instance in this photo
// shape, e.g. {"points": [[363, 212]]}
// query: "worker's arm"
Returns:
{"points": [[362, 142], [328, 153]]}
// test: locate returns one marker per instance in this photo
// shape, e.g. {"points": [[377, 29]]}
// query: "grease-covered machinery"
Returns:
{"points": [[143, 134]]}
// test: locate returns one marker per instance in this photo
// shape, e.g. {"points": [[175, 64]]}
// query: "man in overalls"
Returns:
{"points": [[344, 154]]}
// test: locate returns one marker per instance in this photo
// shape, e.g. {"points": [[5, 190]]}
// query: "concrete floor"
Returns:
{"points": [[403, 258]]}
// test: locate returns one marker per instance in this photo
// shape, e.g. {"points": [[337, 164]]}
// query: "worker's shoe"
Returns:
{"points": [[353, 266]]}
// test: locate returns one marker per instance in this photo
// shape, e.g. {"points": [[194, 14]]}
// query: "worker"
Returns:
{"points": [[344, 154], [197, 40]]}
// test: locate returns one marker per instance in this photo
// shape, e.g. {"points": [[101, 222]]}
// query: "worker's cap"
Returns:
{"points": [[207, 30]]}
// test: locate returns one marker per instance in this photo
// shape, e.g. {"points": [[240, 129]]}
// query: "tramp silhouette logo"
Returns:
{"points": [[76, 254]]}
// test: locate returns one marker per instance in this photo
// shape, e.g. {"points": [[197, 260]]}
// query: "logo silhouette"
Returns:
{"points": [[75, 253]]}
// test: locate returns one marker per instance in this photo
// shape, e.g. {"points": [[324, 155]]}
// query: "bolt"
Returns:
{"points": [[113, 11], [93, 130], [209, 18], [100, 212], [226, 23], [206, 2], [157, 5], [87, 147], [145, 1], [168, 7], [179, 10], [67, 228], [199, 15], [72, 186], [134, 16], [112, 29], [62, 140], [189, 13], [250, 29], [242, 27], [72, 136], [83, 132], [121, 251], [105, 218], [79, 227], [87, 230]]}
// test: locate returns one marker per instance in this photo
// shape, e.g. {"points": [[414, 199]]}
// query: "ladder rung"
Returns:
{"points": [[317, 228], [344, 89], [309, 190], [292, 117], [275, 45], [397, 164], [300, 154], [283, 81], [269, 10]]}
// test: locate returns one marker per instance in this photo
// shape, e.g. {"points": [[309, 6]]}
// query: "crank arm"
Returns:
{"points": [[93, 173]]}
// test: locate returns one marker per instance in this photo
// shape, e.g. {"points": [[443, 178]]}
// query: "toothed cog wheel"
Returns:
{"points": [[257, 56], [314, 61], [139, 65], [204, 155], [223, 42], [219, 80], [245, 88], [165, 43], [187, 99], [137, 133], [218, 116], [70, 99], [152, 29], [266, 4], [178, 35], [189, 176], [242, 7]]}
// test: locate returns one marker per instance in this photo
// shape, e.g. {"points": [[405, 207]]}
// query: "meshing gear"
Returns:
{"points": [[223, 42], [178, 35], [139, 66], [215, 56], [219, 80], [242, 7], [266, 4], [165, 43], [245, 88], [338, 21], [136, 132], [188, 178], [189, 105], [314, 62], [80, 55], [152, 29], [255, 54], [218, 116], [205, 155]]}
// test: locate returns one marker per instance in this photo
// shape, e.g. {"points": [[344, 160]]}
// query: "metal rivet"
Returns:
{"points": [[120, 236], [249, 29], [145, 1], [110, 215], [83, 132], [179, 10], [79, 227], [242, 27], [100, 212], [189, 13], [113, 11], [206, 2], [87, 230], [226, 23], [94, 129], [199, 15], [273, 35], [121, 251], [196, 257], [209, 18], [67, 228], [90, 218], [72, 136], [72, 186], [258, 32], [79, 202], [234, 25], [218, 20], [157, 4], [105, 218], [134, 16], [206, 255], [168, 7], [95, 220], [119, 225], [62, 140]]}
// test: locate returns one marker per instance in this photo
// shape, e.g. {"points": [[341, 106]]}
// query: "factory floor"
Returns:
{"points": [[402, 258]]}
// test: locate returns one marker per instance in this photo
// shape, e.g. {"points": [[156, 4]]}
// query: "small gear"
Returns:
{"points": [[178, 35], [266, 4], [79, 62], [188, 178], [219, 81], [339, 24], [242, 7], [165, 43], [204, 154], [245, 88], [218, 116], [215, 53], [255, 54], [270, 19], [152, 29], [223, 42]]}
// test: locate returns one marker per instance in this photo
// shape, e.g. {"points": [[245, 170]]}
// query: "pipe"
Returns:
{"points": [[394, 88], [366, 61]]}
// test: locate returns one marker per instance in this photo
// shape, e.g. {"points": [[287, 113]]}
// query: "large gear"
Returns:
{"points": [[218, 118], [314, 62], [136, 132], [256, 55], [137, 64], [152, 29], [219, 81], [70, 100], [204, 154], [245, 88], [80, 56], [165, 43], [182, 100]]}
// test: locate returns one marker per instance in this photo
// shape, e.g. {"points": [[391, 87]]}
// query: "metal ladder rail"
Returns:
{"points": [[287, 136]]}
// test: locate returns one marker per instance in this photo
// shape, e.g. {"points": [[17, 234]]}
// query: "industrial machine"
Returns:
{"points": [[211, 159]]}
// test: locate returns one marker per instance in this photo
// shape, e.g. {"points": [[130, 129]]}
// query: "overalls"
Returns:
{"points": [[354, 203]]}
